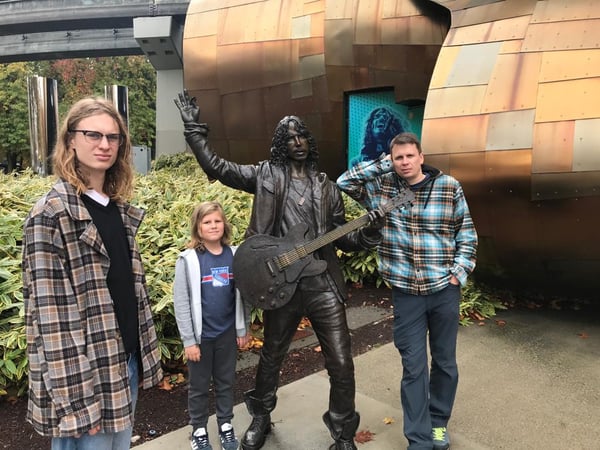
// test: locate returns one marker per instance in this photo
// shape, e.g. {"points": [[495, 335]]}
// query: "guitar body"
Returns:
{"points": [[257, 272]]}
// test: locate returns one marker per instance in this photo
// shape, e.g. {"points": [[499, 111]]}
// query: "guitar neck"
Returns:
{"points": [[336, 233], [288, 258]]}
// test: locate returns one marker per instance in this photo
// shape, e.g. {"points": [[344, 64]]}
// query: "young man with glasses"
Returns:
{"points": [[90, 335]]}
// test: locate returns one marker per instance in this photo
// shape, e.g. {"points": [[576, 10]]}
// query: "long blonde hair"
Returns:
{"points": [[201, 211], [118, 182]]}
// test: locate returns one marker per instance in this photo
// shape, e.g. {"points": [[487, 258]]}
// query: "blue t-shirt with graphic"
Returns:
{"points": [[218, 292]]}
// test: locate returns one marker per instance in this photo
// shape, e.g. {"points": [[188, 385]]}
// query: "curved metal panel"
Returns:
{"points": [[511, 103], [541, 97], [301, 57]]}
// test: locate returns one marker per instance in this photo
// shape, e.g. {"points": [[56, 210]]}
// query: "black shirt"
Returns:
{"points": [[120, 274]]}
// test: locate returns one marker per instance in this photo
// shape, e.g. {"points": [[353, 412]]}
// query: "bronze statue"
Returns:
{"points": [[288, 189]]}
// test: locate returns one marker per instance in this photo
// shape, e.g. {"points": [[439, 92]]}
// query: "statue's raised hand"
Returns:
{"points": [[190, 112]]}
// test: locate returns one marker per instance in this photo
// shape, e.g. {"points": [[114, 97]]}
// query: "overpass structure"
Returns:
{"points": [[32, 30]]}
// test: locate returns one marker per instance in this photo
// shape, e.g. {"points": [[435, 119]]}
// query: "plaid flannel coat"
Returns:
{"points": [[77, 364]]}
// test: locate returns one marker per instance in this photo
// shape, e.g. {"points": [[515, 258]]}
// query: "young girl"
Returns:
{"points": [[211, 317]]}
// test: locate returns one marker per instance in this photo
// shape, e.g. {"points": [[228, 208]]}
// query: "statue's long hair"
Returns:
{"points": [[279, 151], [118, 181]]}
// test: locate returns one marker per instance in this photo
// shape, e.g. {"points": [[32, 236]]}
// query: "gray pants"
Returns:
{"points": [[427, 396], [217, 363]]}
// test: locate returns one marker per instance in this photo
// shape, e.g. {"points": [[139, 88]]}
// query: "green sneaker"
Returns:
{"points": [[441, 441]]}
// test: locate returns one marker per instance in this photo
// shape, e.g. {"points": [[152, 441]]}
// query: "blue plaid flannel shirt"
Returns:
{"points": [[423, 245]]}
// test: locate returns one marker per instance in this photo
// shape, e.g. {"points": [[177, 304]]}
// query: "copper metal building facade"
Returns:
{"points": [[510, 93]]}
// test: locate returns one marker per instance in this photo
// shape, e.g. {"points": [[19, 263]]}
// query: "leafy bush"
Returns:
{"points": [[168, 194]]}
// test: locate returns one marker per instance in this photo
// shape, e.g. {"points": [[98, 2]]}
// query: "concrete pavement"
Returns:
{"points": [[528, 380]]}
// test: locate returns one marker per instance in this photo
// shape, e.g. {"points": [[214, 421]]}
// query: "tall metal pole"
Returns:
{"points": [[42, 96]]}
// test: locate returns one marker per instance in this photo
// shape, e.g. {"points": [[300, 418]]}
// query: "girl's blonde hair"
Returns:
{"points": [[201, 211], [118, 182]]}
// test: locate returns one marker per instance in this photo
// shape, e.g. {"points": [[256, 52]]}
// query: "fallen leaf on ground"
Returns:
{"points": [[364, 436], [388, 420], [165, 385], [501, 323], [583, 335]]}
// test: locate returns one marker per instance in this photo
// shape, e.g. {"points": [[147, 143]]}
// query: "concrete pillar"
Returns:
{"points": [[161, 40], [169, 128]]}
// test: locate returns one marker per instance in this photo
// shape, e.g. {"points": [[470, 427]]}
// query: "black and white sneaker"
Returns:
{"points": [[199, 440], [227, 435]]}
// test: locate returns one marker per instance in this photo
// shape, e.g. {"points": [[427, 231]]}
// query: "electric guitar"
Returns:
{"points": [[267, 269]]}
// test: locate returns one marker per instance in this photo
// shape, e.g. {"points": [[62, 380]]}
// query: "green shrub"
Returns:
{"points": [[168, 194]]}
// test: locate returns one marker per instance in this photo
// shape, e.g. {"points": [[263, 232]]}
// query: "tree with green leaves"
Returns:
{"points": [[76, 78], [14, 114]]}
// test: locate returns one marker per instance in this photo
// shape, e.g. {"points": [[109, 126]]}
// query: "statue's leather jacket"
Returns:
{"points": [[269, 184]]}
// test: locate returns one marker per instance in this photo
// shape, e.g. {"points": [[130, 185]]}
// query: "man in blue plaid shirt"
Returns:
{"points": [[427, 253]]}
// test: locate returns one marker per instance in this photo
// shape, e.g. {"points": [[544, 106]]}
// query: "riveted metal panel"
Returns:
{"points": [[198, 25], [338, 41], [312, 46], [211, 5], [312, 66], [553, 147], [301, 89], [586, 154], [262, 21], [514, 82], [203, 51], [317, 24], [209, 101], [564, 65], [573, 35], [240, 106], [301, 27], [455, 134], [248, 151], [398, 8], [409, 30], [454, 101], [443, 66], [496, 11], [559, 11], [474, 64], [565, 185], [508, 171], [401, 58], [568, 100], [367, 22], [501, 30], [513, 46], [233, 58], [339, 9], [312, 7], [277, 64], [510, 130]]}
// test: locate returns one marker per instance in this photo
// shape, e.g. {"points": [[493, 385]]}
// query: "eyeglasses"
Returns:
{"points": [[94, 137]]}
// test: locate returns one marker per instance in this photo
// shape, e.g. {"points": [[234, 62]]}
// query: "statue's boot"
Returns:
{"points": [[260, 410], [342, 431]]}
